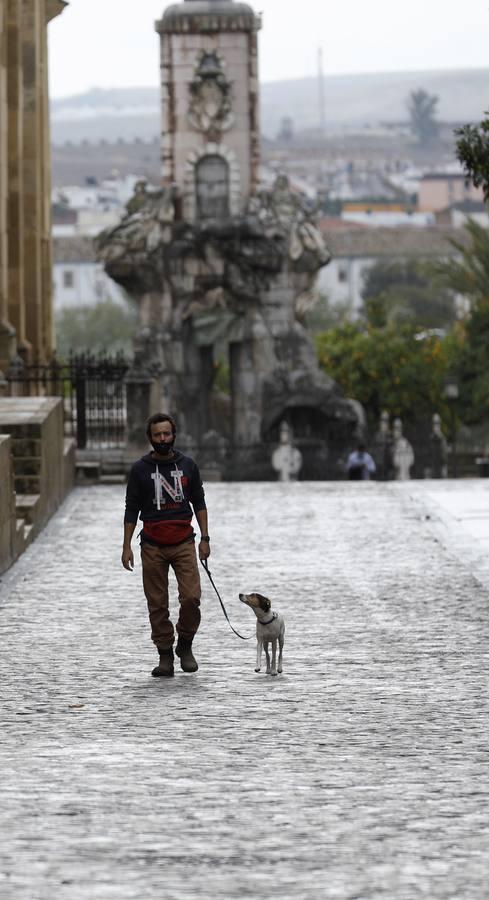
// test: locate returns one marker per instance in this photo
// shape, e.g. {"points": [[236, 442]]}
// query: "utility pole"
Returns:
{"points": [[322, 116]]}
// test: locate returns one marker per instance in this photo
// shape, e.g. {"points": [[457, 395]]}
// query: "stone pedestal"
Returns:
{"points": [[143, 398], [42, 461]]}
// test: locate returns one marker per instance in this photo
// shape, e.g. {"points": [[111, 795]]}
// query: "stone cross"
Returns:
{"points": [[286, 459]]}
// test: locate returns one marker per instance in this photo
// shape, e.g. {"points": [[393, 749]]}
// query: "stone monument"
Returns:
{"points": [[286, 459], [402, 453], [215, 261], [382, 448], [439, 450]]}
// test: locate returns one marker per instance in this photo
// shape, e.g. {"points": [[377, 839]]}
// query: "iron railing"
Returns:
{"points": [[93, 392]]}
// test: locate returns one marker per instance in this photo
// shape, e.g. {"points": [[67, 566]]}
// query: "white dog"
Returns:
{"points": [[270, 628]]}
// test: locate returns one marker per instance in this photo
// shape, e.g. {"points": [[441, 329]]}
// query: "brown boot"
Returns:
{"points": [[165, 665], [187, 659]]}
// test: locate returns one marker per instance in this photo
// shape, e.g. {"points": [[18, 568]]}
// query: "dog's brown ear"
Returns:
{"points": [[265, 603]]}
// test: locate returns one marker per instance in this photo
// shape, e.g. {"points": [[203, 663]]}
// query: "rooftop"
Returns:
{"points": [[432, 241], [74, 249]]}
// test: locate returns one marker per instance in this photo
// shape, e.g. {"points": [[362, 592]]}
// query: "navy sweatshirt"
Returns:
{"points": [[163, 494]]}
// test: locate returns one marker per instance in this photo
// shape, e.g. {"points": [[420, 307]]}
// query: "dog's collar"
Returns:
{"points": [[274, 616]]}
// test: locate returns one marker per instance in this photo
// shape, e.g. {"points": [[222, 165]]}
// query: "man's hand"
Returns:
{"points": [[127, 558], [204, 549]]}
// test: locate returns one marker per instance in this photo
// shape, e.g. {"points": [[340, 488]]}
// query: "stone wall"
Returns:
{"points": [[7, 504], [42, 463]]}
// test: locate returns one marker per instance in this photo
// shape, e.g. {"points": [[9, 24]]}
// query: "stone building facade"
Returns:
{"points": [[26, 321]]}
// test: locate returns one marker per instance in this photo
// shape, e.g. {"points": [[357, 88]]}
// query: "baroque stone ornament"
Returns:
{"points": [[234, 288], [210, 106]]}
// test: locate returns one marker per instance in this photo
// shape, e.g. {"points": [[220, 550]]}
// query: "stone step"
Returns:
{"points": [[26, 447], [87, 471], [27, 465], [115, 478], [19, 536], [27, 484], [27, 505]]}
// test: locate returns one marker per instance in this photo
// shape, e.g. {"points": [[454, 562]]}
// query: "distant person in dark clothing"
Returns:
{"points": [[360, 465], [165, 489]]}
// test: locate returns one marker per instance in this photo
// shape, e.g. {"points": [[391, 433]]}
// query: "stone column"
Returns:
{"points": [[7, 332], [32, 22], [15, 211], [246, 396], [167, 111], [143, 398], [254, 111], [52, 9]]}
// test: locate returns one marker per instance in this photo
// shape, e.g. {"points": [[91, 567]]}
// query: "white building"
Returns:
{"points": [[459, 214], [385, 218], [89, 209], [356, 250], [78, 278]]}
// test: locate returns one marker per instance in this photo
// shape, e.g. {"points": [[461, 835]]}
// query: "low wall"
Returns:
{"points": [[7, 504], [43, 462]]}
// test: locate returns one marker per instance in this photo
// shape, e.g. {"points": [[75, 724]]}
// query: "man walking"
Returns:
{"points": [[164, 487]]}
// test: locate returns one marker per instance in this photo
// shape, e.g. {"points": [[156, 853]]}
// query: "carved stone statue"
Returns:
{"points": [[402, 453], [243, 284], [439, 450]]}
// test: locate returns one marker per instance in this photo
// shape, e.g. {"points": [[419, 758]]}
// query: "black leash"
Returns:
{"points": [[206, 567]]}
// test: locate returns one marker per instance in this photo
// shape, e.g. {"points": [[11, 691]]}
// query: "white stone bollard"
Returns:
{"points": [[286, 459]]}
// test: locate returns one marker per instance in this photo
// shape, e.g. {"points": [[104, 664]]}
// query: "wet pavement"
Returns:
{"points": [[359, 773]]}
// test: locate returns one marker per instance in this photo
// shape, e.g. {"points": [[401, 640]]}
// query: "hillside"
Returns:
{"points": [[352, 102]]}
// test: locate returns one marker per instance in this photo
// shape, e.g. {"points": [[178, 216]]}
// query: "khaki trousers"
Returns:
{"points": [[156, 562]]}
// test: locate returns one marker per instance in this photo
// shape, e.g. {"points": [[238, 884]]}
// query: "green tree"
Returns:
{"points": [[422, 114], [105, 327], [469, 275], [473, 152], [407, 292], [387, 368], [472, 367], [326, 315]]}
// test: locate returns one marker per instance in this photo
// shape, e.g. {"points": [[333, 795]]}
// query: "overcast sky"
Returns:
{"points": [[112, 43]]}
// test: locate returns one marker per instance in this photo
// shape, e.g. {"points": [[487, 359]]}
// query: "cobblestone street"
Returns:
{"points": [[360, 773]]}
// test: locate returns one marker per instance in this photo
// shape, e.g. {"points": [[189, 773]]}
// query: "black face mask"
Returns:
{"points": [[163, 448]]}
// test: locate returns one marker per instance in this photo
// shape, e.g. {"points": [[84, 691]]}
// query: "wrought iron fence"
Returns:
{"points": [[93, 392]]}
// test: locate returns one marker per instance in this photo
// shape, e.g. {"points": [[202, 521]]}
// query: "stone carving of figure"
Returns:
{"points": [[283, 211], [286, 459], [403, 453], [138, 199], [382, 448], [439, 450]]}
